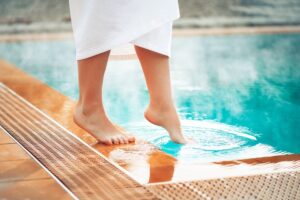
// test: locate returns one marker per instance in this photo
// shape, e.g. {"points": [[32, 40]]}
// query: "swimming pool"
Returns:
{"points": [[237, 95]]}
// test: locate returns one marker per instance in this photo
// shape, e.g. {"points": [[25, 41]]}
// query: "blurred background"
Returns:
{"points": [[18, 16]]}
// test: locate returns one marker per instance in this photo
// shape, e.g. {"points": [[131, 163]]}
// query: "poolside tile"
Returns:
{"points": [[33, 189], [5, 139], [21, 170], [11, 152]]}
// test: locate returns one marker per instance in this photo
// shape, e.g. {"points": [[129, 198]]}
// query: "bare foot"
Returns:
{"points": [[97, 124], [168, 119]]}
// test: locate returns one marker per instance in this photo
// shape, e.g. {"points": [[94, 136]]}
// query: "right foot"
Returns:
{"points": [[168, 119], [98, 125]]}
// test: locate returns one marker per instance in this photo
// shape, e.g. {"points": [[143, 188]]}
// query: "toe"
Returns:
{"points": [[121, 139], [125, 139], [106, 141], [115, 140], [131, 138]]}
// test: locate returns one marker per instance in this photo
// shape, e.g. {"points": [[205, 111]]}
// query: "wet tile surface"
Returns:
{"points": [[21, 170], [32, 189], [5, 139], [12, 152]]}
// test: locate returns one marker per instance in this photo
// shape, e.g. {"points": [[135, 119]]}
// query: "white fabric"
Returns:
{"points": [[101, 25]]}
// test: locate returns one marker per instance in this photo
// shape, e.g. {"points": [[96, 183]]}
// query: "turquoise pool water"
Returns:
{"points": [[237, 95]]}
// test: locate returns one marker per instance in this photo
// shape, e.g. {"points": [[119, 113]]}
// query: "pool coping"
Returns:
{"points": [[176, 32]]}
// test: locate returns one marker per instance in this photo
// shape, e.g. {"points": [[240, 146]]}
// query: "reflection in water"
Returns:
{"points": [[169, 146], [237, 95]]}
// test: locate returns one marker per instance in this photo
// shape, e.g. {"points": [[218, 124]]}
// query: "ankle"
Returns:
{"points": [[89, 108], [162, 107]]}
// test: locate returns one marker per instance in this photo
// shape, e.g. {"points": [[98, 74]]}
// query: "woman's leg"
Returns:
{"points": [[161, 110], [89, 112]]}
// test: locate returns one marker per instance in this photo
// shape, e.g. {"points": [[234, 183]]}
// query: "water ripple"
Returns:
{"points": [[213, 141]]}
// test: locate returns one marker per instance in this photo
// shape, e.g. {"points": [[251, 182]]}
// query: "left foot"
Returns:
{"points": [[168, 119], [95, 121]]}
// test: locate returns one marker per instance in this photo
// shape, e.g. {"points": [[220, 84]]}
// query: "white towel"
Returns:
{"points": [[101, 25]]}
